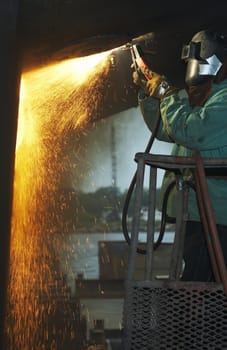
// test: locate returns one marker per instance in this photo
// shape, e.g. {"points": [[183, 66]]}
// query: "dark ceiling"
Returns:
{"points": [[51, 30], [47, 27]]}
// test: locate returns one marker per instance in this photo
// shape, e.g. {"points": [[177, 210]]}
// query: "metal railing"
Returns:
{"points": [[173, 314]]}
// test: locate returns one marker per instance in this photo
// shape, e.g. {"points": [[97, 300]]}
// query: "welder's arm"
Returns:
{"points": [[201, 127], [149, 98], [157, 86], [150, 110]]}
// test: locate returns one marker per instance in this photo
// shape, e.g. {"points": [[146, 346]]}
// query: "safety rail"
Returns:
{"points": [[173, 314]]}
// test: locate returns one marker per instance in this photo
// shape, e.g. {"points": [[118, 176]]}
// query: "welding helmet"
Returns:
{"points": [[204, 56]]}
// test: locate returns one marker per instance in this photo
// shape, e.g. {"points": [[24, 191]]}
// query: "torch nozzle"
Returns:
{"points": [[145, 37]]}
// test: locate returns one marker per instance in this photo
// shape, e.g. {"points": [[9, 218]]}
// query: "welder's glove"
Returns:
{"points": [[153, 84], [140, 80], [157, 86]]}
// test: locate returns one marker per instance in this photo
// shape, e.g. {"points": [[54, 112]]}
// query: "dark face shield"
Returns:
{"points": [[204, 56], [191, 54], [202, 63]]}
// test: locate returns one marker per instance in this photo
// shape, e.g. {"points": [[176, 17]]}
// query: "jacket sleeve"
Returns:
{"points": [[150, 109], [201, 128]]}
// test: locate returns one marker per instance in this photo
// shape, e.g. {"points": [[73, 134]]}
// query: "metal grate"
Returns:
{"points": [[174, 316]]}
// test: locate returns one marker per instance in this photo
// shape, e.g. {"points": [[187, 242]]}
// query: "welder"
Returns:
{"points": [[194, 118]]}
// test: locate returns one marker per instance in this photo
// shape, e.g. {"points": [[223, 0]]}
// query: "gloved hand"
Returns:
{"points": [[140, 80], [158, 85]]}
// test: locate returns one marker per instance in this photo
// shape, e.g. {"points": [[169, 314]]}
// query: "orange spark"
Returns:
{"points": [[53, 100]]}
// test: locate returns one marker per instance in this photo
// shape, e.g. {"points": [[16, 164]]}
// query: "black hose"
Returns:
{"points": [[132, 186], [164, 214], [165, 218], [165, 198]]}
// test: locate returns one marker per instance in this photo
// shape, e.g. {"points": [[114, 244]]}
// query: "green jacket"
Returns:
{"points": [[199, 128]]}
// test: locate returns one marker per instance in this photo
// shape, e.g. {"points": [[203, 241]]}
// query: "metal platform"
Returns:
{"points": [[172, 314], [175, 316]]}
